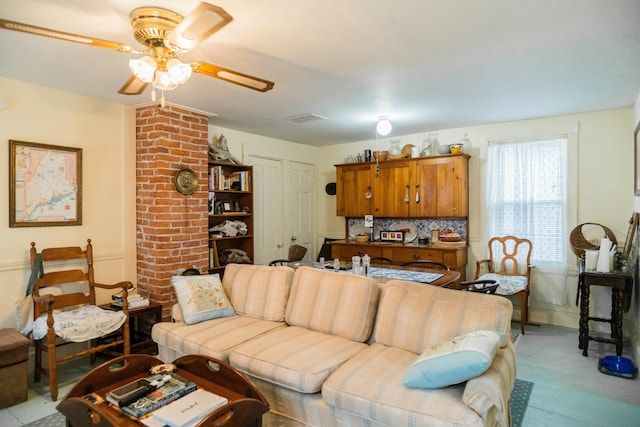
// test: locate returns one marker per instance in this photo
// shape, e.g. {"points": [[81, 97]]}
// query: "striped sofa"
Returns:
{"points": [[331, 349]]}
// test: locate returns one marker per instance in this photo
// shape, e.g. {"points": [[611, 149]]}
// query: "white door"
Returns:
{"points": [[268, 218], [301, 207]]}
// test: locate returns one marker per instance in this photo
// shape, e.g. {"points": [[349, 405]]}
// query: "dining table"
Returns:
{"points": [[435, 277]]}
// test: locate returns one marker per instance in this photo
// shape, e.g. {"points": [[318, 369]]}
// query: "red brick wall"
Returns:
{"points": [[171, 227]]}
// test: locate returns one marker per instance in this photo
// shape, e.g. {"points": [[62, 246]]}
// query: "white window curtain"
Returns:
{"points": [[527, 197]]}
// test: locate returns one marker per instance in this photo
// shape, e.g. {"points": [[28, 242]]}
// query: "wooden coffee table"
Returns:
{"points": [[245, 408]]}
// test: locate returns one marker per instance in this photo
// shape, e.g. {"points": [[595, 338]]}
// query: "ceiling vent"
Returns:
{"points": [[305, 118]]}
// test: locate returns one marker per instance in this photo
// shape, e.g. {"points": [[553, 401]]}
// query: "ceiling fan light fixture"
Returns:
{"points": [[179, 72], [143, 68], [163, 81], [384, 126]]}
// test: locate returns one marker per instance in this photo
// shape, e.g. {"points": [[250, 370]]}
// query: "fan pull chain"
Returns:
{"points": [[162, 99], [153, 94]]}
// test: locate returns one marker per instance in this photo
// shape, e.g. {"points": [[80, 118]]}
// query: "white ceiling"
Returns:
{"points": [[427, 64]]}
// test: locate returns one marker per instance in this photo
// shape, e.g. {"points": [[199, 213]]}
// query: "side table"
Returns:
{"points": [[621, 284], [141, 320], [245, 402]]}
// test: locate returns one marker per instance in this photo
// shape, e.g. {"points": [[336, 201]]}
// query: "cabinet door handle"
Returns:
{"points": [[406, 194], [417, 193]]}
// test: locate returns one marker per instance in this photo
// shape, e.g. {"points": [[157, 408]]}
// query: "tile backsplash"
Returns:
{"points": [[423, 226]]}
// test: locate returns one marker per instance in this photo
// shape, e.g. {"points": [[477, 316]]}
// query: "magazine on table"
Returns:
{"points": [[133, 300], [188, 410], [161, 389]]}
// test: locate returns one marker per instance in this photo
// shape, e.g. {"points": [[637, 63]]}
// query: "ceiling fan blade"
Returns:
{"points": [[133, 86], [41, 31], [205, 20], [231, 76]]}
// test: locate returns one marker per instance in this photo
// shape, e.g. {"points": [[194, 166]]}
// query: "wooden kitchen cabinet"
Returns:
{"points": [[391, 189], [353, 190], [424, 187], [440, 186], [453, 256], [423, 197], [452, 184], [345, 249]]}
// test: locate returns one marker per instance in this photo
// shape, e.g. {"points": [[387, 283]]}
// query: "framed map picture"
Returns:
{"points": [[45, 185]]}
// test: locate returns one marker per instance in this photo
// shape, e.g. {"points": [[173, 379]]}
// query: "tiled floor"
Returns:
{"points": [[39, 403], [568, 390]]}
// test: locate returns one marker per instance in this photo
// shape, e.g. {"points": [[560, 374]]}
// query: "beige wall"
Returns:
{"points": [[603, 179], [242, 143], [106, 133]]}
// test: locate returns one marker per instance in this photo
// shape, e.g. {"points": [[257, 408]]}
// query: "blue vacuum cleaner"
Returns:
{"points": [[618, 366]]}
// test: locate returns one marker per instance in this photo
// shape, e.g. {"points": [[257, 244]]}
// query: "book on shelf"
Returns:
{"points": [[245, 181], [174, 388], [216, 178], [239, 180], [190, 409]]}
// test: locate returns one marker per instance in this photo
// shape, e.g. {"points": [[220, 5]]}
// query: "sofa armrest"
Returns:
{"points": [[488, 394]]}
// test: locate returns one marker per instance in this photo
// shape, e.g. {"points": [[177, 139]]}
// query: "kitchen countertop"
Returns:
{"points": [[414, 244]]}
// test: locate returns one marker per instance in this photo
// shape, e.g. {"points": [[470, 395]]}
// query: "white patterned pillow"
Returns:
{"points": [[453, 361], [201, 298]]}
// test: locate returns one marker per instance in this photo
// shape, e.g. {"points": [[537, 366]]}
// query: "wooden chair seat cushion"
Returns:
{"points": [[81, 324], [509, 285]]}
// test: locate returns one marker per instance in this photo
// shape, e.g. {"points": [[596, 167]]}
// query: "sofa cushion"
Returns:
{"points": [[294, 357], [213, 338], [453, 361], [370, 386], [257, 290], [334, 303], [201, 297], [413, 317]]}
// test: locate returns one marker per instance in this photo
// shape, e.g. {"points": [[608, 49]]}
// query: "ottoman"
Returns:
{"points": [[14, 353]]}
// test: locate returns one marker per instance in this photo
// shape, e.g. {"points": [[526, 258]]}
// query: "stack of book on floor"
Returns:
{"points": [[165, 399], [133, 300]]}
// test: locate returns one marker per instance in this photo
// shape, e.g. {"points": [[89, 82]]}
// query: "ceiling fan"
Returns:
{"points": [[164, 34]]}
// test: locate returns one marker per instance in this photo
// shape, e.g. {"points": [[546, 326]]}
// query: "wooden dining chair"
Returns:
{"points": [[297, 252], [509, 264], [325, 249], [480, 286]]}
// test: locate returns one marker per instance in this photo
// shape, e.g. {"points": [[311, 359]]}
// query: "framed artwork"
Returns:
{"points": [[392, 236], [636, 158], [631, 233], [45, 185], [227, 207]]}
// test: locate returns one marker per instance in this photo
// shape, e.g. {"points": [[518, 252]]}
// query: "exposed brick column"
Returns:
{"points": [[171, 227]]}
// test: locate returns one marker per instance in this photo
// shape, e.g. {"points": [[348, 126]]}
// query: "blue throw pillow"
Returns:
{"points": [[454, 361]]}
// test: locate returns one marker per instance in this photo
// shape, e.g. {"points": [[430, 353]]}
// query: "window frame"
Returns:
{"points": [[566, 129]]}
